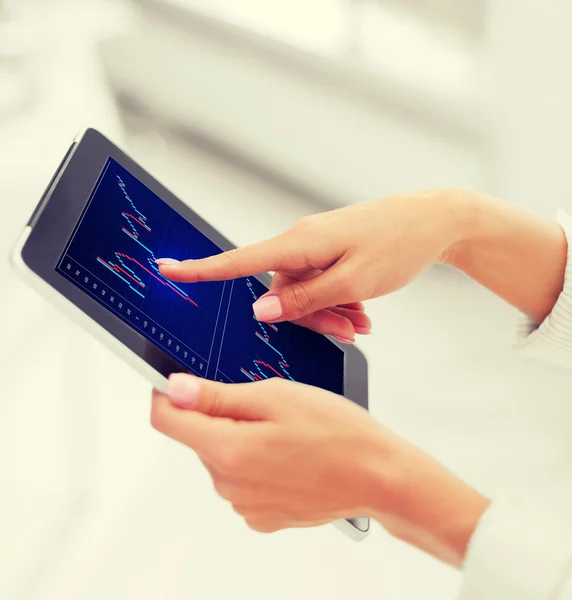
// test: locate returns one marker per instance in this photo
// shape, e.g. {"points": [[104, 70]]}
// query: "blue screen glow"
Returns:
{"points": [[209, 327]]}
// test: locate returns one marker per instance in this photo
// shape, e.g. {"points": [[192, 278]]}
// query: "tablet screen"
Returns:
{"points": [[209, 327]]}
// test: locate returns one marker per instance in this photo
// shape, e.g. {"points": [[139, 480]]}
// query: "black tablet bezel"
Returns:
{"points": [[56, 216]]}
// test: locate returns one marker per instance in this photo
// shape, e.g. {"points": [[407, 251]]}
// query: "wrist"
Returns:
{"points": [[518, 255], [464, 214], [418, 501]]}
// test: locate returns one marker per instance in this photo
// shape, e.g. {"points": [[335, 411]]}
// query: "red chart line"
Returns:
{"points": [[249, 375], [165, 283], [261, 362], [137, 220], [129, 234], [117, 269], [130, 276]]}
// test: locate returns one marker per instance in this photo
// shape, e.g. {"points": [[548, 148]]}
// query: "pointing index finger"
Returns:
{"points": [[241, 262]]}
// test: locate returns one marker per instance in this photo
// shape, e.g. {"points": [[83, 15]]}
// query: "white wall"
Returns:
{"points": [[529, 95]]}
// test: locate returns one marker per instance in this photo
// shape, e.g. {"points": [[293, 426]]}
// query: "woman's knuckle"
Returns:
{"points": [[303, 224], [299, 298], [233, 263], [272, 385], [240, 509], [261, 526], [214, 402], [224, 489]]}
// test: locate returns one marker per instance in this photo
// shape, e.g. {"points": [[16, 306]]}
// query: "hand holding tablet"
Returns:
{"points": [[283, 454], [290, 455]]}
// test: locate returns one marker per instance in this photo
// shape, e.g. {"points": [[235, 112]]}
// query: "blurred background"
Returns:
{"points": [[257, 112]]}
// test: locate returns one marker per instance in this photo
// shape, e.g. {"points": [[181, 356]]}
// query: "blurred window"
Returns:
{"points": [[427, 44], [319, 25]]}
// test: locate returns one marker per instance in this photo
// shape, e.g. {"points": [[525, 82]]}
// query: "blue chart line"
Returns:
{"points": [[261, 367], [136, 238], [265, 340], [128, 198], [113, 268], [136, 223], [137, 279]]}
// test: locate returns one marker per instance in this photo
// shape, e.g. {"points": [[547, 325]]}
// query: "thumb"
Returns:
{"points": [[301, 298], [237, 401]]}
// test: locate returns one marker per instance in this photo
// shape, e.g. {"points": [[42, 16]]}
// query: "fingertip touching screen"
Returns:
{"points": [[209, 327]]}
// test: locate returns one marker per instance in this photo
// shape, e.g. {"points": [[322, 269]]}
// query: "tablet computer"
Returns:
{"points": [[91, 246]]}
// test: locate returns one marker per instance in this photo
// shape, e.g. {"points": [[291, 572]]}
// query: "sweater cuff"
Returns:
{"points": [[521, 548], [552, 340]]}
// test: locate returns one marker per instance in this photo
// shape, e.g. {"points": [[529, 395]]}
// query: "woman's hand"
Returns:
{"points": [[326, 264], [290, 455]]}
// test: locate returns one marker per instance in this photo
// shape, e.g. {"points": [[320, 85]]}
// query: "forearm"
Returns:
{"points": [[420, 502], [519, 256]]}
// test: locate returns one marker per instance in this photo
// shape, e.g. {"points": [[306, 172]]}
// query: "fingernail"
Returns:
{"points": [[166, 261], [362, 330], [268, 308], [183, 390], [343, 340]]}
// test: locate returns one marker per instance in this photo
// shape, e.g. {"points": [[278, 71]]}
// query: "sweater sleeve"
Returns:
{"points": [[522, 547]]}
